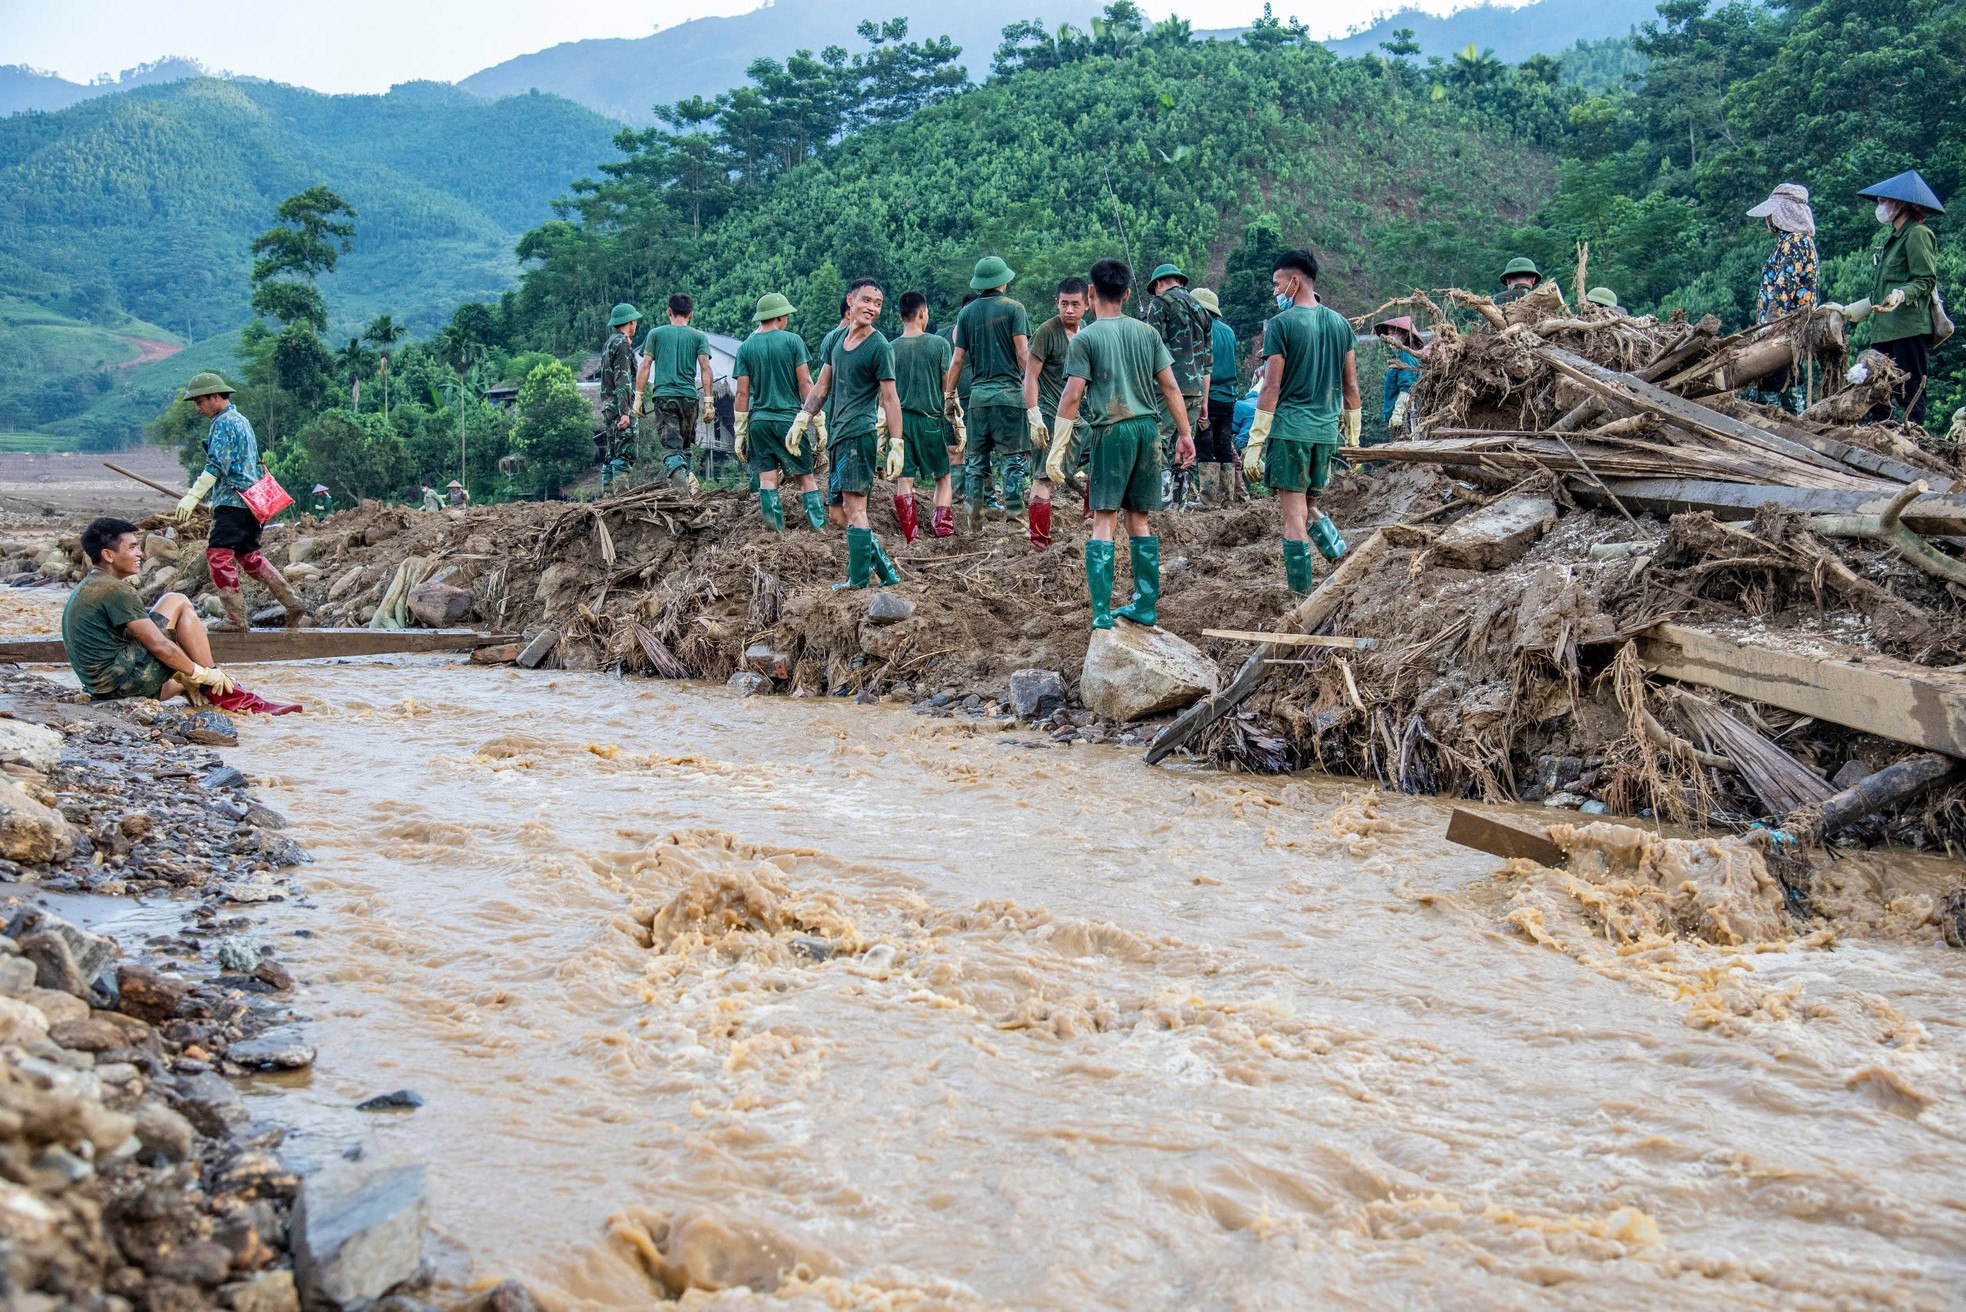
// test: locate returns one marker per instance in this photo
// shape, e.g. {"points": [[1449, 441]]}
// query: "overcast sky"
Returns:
{"points": [[336, 47]]}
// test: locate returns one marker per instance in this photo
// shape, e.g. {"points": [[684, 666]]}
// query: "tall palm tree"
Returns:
{"points": [[1474, 67], [385, 332]]}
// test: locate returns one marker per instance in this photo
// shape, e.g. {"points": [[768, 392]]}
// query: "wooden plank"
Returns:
{"points": [[286, 644], [1937, 515], [1822, 452], [1505, 838], [1875, 694], [1291, 639]]}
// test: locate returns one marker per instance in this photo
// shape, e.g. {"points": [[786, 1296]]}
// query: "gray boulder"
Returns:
{"points": [[1132, 672], [31, 832], [66, 957], [440, 605], [1036, 693], [31, 745], [357, 1231]]}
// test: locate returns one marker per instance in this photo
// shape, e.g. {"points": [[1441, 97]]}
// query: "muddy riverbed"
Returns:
{"points": [[865, 1008]]}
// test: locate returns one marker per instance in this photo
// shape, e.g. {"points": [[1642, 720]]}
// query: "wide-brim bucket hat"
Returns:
{"points": [[1602, 296], [1208, 300], [1402, 325], [991, 271], [1168, 271], [623, 313], [1787, 207], [207, 384], [1909, 187], [1520, 264], [772, 305]]}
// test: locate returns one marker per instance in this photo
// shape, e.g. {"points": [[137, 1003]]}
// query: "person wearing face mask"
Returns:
{"points": [[1900, 306]]}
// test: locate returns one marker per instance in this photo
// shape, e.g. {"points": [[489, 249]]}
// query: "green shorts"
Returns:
{"points": [[1297, 466], [925, 446], [1001, 430], [766, 449], [1126, 466], [853, 467], [134, 672]]}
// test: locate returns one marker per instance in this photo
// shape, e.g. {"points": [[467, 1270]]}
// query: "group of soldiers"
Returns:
{"points": [[1138, 407]]}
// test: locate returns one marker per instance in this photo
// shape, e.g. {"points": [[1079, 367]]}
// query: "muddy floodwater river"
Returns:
{"points": [[861, 1008]]}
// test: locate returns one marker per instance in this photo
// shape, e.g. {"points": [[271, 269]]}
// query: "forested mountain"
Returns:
{"points": [[23, 88], [625, 79], [144, 204], [1543, 27]]}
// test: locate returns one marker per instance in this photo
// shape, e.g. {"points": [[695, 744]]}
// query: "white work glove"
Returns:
{"points": [[1855, 311], [1061, 443], [741, 424], [1349, 423], [880, 424], [212, 680], [1893, 301], [189, 502], [896, 453], [952, 407], [1401, 405], [795, 435], [819, 428], [1040, 436], [1252, 455], [960, 429]]}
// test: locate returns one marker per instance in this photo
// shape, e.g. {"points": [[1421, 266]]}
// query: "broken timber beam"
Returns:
{"points": [[286, 644], [1291, 639], [1812, 449], [1937, 515], [1505, 838], [1860, 690], [1307, 614], [1868, 796]]}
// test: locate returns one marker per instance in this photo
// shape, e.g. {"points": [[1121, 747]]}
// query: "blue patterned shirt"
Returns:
{"points": [[231, 456], [1788, 280]]}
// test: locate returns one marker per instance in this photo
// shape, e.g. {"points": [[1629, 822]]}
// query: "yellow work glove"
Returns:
{"points": [[641, 404], [880, 424], [1402, 405], [895, 456], [189, 503], [961, 430], [952, 407], [795, 435], [1348, 425], [819, 428], [1252, 455], [1040, 436], [741, 424], [212, 680], [1061, 443]]}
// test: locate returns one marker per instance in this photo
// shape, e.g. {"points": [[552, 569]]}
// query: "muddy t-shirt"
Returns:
{"points": [[987, 330], [1048, 348], [825, 353], [1119, 359], [920, 362], [92, 628], [856, 387], [1313, 341], [771, 361], [672, 351]]}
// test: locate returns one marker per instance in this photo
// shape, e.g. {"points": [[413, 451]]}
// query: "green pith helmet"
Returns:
{"points": [[1521, 264], [1167, 271], [1602, 296], [991, 271], [623, 313], [772, 305], [1209, 301], [206, 384]]}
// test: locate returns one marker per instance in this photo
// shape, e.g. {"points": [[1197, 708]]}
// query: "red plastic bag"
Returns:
{"points": [[266, 498]]}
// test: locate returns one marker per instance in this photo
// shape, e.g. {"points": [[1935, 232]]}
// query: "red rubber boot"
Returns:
{"points": [[1040, 512], [904, 510], [943, 523], [239, 699]]}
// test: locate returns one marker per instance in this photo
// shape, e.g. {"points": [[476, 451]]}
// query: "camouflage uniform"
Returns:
{"points": [[617, 399], [1188, 331]]}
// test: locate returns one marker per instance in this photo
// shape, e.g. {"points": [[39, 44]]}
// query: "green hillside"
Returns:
{"points": [[142, 205]]}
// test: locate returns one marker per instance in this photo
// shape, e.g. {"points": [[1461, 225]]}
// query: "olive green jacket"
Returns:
{"points": [[1910, 259]]}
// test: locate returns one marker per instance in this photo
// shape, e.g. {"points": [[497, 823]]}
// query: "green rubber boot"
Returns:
{"points": [[859, 558], [815, 507], [1099, 581], [1297, 567], [772, 507], [1145, 553], [884, 569], [1325, 534]]}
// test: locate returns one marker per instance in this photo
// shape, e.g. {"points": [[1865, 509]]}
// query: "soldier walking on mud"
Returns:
{"points": [[1044, 384], [616, 440], [1310, 365], [858, 377], [676, 388], [993, 338], [771, 379], [1115, 367], [926, 444], [1188, 332]]}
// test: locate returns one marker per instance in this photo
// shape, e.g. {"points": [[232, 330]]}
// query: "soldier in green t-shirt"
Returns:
{"points": [[771, 379], [993, 338], [1120, 370], [1044, 384], [676, 387], [1310, 367], [859, 381], [927, 442]]}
